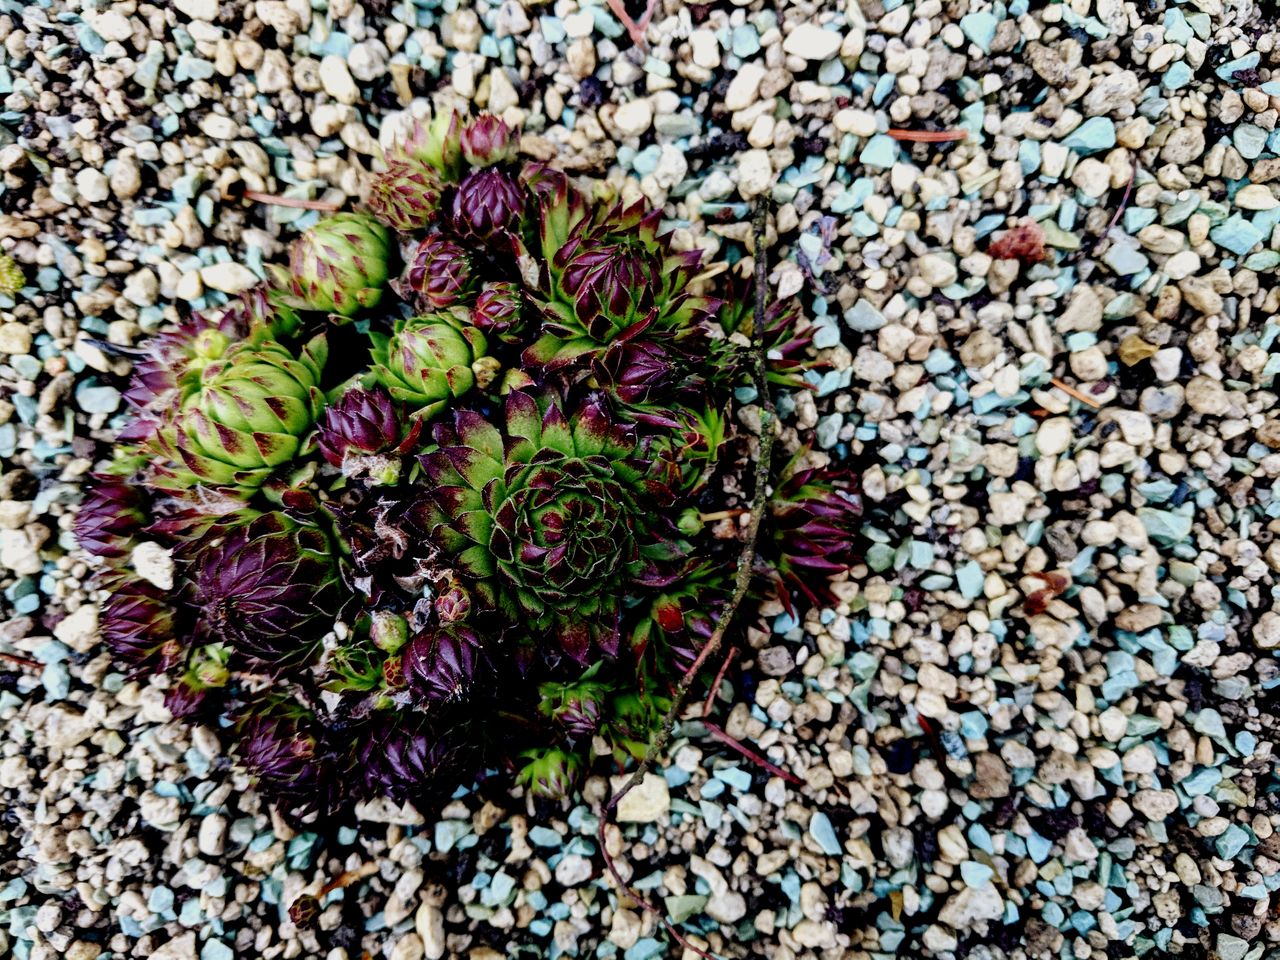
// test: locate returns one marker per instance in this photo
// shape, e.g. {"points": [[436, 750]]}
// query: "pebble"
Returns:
{"points": [[429, 924], [213, 835], [812, 42], [648, 802], [228, 277], [744, 88], [755, 173], [337, 80], [634, 117]]}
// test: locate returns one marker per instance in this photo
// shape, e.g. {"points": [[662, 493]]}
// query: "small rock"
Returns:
{"points": [[92, 185], [206, 10], [228, 277], [1054, 436], [219, 127], [971, 906], [153, 563], [744, 88], [15, 338], [212, 839], [575, 870], [776, 661], [429, 922], [337, 81], [634, 117], [811, 42], [79, 630], [648, 802], [755, 173], [408, 947], [937, 270]]}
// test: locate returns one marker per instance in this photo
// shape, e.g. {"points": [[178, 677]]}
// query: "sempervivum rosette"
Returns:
{"points": [[340, 265], [488, 203], [138, 623], [546, 520], [578, 706], [608, 277], [419, 170], [170, 364], [813, 522], [410, 758], [441, 272], [488, 141], [268, 587], [249, 416], [499, 311], [112, 512], [440, 663], [280, 743], [549, 774], [361, 434], [428, 361]]}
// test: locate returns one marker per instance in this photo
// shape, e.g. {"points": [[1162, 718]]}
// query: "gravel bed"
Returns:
{"points": [[1039, 242]]}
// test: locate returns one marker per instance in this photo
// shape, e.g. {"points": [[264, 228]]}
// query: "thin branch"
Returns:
{"points": [[324, 206], [715, 685], [1073, 392], [928, 136], [742, 579], [1124, 199], [718, 732], [635, 29], [22, 661]]}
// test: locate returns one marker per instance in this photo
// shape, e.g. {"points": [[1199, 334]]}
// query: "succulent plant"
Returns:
{"points": [[414, 760], [112, 512], [439, 143], [814, 519], [784, 345], [487, 141], [440, 272], [361, 434], [452, 604], [549, 774], [427, 361], [607, 278], [499, 311], [205, 674], [250, 415], [341, 265], [280, 744], [440, 663], [508, 494], [486, 204], [543, 520], [169, 369], [137, 622], [267, 586], [577, 706]]}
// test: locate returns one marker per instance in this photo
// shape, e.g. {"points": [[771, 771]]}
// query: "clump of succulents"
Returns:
{"points": [[455, 490]]}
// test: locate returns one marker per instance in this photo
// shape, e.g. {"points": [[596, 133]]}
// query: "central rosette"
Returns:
{"points": [[563, 529], [543, 517]]}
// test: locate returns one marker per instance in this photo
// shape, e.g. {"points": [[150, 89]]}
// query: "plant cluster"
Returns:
{"points": [[454, 490]]}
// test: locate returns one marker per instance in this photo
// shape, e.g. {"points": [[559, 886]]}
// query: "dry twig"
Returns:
{"points": [[1073, 392], [324, 206], [928, 136]]}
